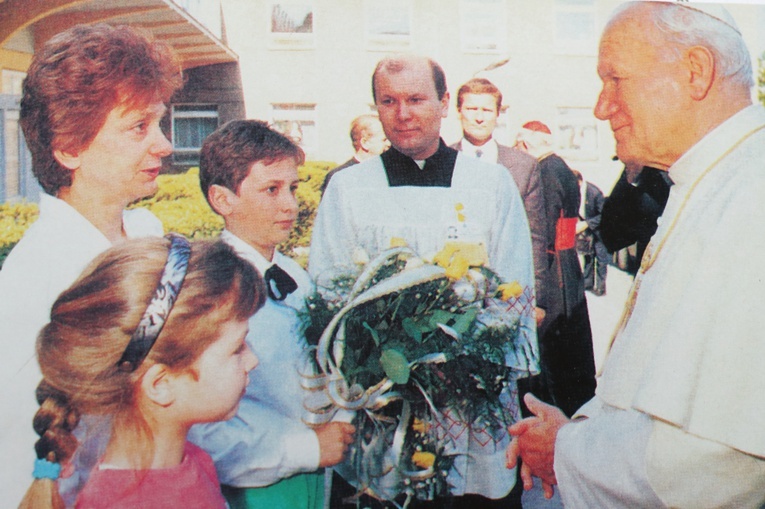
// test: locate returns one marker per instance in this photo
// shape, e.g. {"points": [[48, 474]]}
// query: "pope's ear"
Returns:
{"points": [[701, 63], [69, 160], [157, 385], [222, 199]]}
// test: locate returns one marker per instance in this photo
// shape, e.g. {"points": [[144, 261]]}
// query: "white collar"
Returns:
{"points": [[248, 252], [714, 144], [489, 150]]}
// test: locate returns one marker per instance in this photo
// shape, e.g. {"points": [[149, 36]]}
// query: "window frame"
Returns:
{"points": [[380, 41], [201, 110], [291, 40]]}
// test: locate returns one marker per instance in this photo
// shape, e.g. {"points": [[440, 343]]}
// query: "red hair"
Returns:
{"points": [[77, 78]]}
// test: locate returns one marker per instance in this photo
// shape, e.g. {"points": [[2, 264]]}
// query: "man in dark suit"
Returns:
{"points": [[632, 209], [595, 259], [478, 105], [368, 141]]}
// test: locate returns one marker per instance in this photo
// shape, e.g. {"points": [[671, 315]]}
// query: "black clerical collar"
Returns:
{"points": [[403, 171]]}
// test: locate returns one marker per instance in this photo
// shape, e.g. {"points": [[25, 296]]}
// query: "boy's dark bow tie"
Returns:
{"points": [[279, 283]]}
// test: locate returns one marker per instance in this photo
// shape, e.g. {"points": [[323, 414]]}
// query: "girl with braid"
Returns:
{"points": [[152, 336]]}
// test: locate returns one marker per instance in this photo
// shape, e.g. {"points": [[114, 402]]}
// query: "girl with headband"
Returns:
{"points": [[152, 336]]}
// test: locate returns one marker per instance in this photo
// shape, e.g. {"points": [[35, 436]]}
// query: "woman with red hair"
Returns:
{"points": [[91, 108]]}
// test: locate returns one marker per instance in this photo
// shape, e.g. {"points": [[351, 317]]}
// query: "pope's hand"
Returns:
{"points": [[534, 442]]}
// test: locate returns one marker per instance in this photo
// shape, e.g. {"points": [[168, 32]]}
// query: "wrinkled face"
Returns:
{"points": [[410, 110], [374, 141], [265, 208], [642, 96], [123, 160], [478, 115], [221, 374]]}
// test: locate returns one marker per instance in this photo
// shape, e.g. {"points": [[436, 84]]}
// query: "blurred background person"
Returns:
{"points": [[368, 140], [565, 336], [588, 228], [479, 102], [630, 212]]}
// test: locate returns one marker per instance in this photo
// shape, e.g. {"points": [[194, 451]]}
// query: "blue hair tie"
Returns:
{"points": [[44, 469]]}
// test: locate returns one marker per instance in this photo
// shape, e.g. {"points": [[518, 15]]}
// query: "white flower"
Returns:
{"points": [[480, 282], [360, 256], [414, 263], [465, 290]]}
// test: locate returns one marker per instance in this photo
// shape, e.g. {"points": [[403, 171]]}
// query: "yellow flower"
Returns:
{"points": [[423, 459], [458, 266], [398, 242], [458, 207], [419, 425], [475, 253], [510, 290], [461, 217]]}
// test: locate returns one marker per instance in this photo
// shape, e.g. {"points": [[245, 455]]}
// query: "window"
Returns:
{"points": [[11, 83], [10, 138], [388, 24], [483, 26], [298, 122], [577, 132], [291, 25], [192, 123], [575, 27]]}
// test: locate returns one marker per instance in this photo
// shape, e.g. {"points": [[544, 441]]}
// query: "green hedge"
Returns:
{"points": [[180, 206]]}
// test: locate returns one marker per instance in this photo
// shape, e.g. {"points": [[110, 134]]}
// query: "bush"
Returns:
{"points": [[14, 221], [182, 208]]}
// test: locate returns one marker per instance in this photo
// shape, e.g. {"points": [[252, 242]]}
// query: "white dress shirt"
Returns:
{"points": [[267, 440]]}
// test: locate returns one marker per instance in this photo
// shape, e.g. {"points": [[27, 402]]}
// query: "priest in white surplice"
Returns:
{"points": [[678, 414], [425, 193]]}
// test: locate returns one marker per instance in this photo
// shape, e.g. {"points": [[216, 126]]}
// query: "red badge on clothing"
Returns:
{"points": [[565, 233]]}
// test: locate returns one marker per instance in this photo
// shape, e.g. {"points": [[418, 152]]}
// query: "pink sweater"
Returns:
{"points": [[192, 485]]}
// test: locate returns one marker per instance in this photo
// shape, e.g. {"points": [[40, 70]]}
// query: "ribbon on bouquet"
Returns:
{"points": [[329, 393]]}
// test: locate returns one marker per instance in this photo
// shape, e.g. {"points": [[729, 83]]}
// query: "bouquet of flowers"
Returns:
{"points": [[402, 344]]}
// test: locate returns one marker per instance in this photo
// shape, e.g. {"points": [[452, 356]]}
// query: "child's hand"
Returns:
{"points": [[334, 439]]}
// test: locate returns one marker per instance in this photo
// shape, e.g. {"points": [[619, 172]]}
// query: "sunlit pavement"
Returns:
{"points": [[605, 312]]}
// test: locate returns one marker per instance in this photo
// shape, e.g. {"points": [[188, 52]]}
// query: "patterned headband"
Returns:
{"points": [[156, 313]]}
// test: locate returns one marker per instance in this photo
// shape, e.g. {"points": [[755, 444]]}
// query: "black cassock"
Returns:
{"points": [[567, 378]]}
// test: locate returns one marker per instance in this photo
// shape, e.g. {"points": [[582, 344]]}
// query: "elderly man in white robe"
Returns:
{"points": [[677, 417], [426, 193]]}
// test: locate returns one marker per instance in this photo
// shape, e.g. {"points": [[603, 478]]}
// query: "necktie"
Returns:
{"points": [[279, 283], [478, 153]]}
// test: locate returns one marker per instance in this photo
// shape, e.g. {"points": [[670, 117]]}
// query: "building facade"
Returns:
{"points": [[306, 64]]}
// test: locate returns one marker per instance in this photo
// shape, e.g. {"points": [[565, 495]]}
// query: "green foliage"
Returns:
{"points": [[417, 344], [14, 221], [182, 208], [311, 176]]}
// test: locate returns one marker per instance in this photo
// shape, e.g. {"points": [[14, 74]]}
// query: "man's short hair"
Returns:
{"points": [[396, 64], [479, 86], [77, 78], [686, 26], [361, 127], [230, 151]]}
